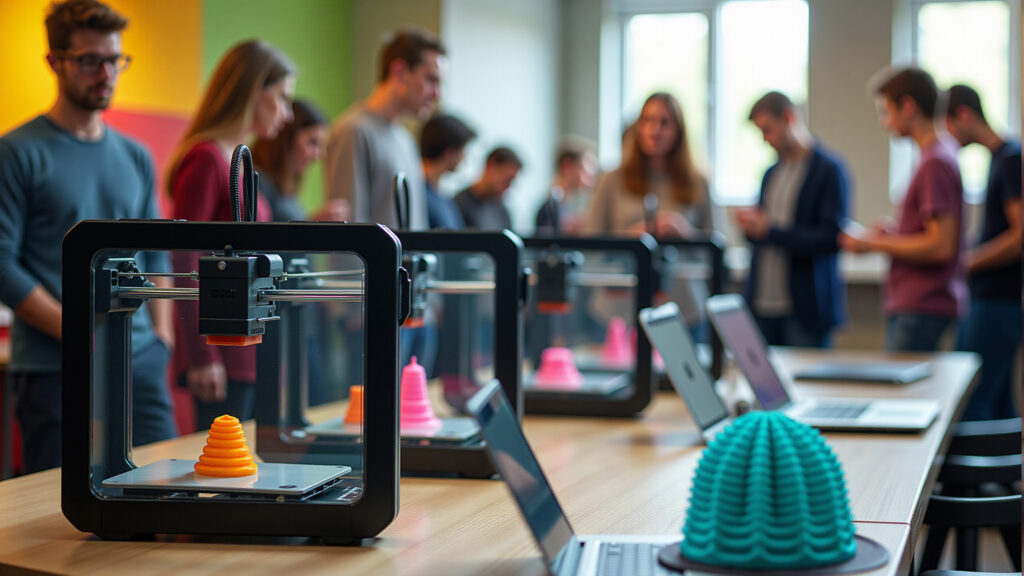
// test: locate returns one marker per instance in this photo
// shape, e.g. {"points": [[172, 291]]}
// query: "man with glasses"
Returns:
{"points": [[57, 169]]}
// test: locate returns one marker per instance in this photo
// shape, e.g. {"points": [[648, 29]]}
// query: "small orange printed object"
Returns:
{"points": [[354, 415], [226, 454]]}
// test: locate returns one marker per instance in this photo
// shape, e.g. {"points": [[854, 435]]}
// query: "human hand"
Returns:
{"points": [[856, 243], [209, 383], [883, 225], [753, 222], [672, 225]]}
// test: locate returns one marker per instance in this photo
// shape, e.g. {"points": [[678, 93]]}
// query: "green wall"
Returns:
{"points": [[315, 34]]}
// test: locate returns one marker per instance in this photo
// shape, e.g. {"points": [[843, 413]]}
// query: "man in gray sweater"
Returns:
{"points": [[369, 145]]}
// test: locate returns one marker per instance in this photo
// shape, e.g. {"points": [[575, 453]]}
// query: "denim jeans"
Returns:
{"points": [[916, 332], [38, 408], [993, 330], [787, 331]]}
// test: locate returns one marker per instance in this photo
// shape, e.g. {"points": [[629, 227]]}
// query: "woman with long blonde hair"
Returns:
{"points": [[658, 188], [249, 95]]}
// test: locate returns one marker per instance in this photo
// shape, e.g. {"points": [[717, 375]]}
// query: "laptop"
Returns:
{"points": [[736, 327], [670, 336], [564, 552], [894, 372]]}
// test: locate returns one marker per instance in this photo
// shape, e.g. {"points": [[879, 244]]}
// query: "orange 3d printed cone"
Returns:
{"points": [[354, 414], [226, 454]]}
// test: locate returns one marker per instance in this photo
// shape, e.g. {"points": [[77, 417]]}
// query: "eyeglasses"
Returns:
{"points": [[90, 63]]}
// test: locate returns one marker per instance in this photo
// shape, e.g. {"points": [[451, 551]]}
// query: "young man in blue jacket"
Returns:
{"points": [[793, 286]]}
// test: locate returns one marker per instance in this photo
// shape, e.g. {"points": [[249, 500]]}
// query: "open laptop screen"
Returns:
{"points": [[670, 337], [736, 327], [515, 461]]}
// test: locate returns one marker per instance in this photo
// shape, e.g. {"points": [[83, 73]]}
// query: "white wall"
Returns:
{"points": [[849, 43], [503, 78]]}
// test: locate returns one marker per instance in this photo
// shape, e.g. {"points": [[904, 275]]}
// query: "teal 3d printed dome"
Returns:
{"points": [[768, 494]]}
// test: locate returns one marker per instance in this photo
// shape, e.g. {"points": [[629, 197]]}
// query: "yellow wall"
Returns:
{"points": [[163, 39]]}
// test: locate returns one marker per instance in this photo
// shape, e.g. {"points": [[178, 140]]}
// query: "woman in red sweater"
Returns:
{"points": [[248, 96]]}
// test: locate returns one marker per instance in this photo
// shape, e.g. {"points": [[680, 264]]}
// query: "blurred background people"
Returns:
{"points": [[369, 144], [249, 95], [793, 287], [925, 292], [443, 143], [993, 324], [282, 162], [658, 188], [482, 205], [565, 207]]}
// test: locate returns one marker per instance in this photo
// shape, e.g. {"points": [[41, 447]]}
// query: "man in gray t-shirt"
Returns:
{"points": [[369, 145], [55, 170]]}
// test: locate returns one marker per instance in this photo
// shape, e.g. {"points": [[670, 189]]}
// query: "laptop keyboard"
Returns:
{"points": [[630, 559], [836, 411]]}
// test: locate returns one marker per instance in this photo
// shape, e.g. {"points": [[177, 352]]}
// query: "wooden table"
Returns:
{"points": [[612, 476]]}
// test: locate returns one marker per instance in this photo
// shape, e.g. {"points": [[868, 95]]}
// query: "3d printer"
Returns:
{"points": [[246, 277], [584, 353], [464, 329], [687, 271]]}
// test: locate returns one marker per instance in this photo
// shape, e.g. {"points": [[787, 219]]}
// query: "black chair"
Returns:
{"points": [[987, 438], [978, 487]]}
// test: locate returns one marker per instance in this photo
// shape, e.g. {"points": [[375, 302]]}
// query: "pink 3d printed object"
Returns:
{"points": [[417, 413], [558, 370]]}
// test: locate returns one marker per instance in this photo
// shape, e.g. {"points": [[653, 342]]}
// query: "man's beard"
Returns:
{"points": [[88, 99]]}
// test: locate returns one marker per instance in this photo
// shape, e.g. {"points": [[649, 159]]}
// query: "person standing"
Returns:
{"points": [[249, 95], [993, 324], [482, 204], [925, 292], [565, 208], [442, 145], [793, 285], [368, 145], [658, 188], [59, 168], [282, 162]]}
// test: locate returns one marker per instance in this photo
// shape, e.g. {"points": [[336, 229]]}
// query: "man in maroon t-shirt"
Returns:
{"points": [[925, 292]]}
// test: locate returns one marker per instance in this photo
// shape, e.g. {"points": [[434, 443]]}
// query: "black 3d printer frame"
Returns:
{"points": [[422, 459], [714, 244], [622, 403], [506, 249], [130, 517]]}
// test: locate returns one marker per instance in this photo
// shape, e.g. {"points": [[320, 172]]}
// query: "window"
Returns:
{"points": [[759, 45], [669, 53], [969, 42]]}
